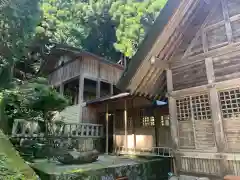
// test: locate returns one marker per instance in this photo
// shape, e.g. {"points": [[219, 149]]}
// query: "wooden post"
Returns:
{"points": [[172, 111], [80, 96], [114, 130], [98, 90], [61, 89], [125, 125], [111, 89], [156, 126], [216, 114], [106, 129], [215, 107]]}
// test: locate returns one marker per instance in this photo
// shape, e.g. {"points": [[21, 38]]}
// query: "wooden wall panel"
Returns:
{"points": [[65, 73], [216, 16], [89, 115], [189, 76], [186, 134], [90, 67], [227, 67], [233, 7], [236, 30], [208, 166], [205, 138], [232, 132], [216, 37]]}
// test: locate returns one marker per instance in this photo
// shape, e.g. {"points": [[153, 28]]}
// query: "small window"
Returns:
{"points": [[165, 120], [105, 89], [230, 103], [147, 119], [90, 87]]}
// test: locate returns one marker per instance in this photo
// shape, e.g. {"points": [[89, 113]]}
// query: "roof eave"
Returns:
{"points": [[166, 13]]}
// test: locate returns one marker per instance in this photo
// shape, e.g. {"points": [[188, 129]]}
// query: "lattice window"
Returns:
{"points": [[183, 109], [198, 106], [130, 122], [230, 103], [201, 108], [147, 119], [165, 120]]}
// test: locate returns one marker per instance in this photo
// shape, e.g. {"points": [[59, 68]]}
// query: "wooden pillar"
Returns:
{"points": [[98, 90], [172, 111], [80, 96], [106, 151], [111, 89], [61, 89], [134, 126], [125, 125], [215, 107], [114, 130], [156, 126]]}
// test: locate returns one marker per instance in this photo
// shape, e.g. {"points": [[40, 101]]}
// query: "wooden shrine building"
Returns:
{"points": [[82, 76], [193, 51]]}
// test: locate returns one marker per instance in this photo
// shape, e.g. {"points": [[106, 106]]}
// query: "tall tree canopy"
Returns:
{"points": [[104, 27]]}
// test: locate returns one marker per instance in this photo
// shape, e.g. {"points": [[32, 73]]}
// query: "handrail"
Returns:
{"points": [[153, 151]]}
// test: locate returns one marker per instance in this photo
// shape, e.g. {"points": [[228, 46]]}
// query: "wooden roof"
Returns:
{"points": [[171, 33], [60, 50]]}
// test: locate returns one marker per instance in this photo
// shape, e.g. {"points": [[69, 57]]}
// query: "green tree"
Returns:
{"points": [[82, 24], [18, 20], [104, 27], [134, 18]]}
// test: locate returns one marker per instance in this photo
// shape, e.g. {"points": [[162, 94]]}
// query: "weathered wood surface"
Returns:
{"points": [[189, 76], [227, 67], [232, 132], [186, 135], [68, 71], [208, 166], [99, 70], [91, 68]]}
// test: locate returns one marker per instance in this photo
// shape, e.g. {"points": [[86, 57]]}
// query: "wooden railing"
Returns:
{"points": [[154, 151]]}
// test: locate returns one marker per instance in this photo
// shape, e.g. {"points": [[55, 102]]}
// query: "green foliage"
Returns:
{"points": [[134, 19], [8, 172], [33, 100], [18, 20], [99, 26]]}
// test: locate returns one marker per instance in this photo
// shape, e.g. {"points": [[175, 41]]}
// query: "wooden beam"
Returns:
{"points": [[227, 21], [125, 125], [172, 112], [156, 126], [98, 89], [159, 63], [215, 107], [114, 131], [106, 116], [61, 89], [111, 89], [80, 96], [204, 40], [210, 70]]}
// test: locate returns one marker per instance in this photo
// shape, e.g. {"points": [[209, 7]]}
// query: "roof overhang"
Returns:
{"points": [[75, 53], [145, 74]]}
